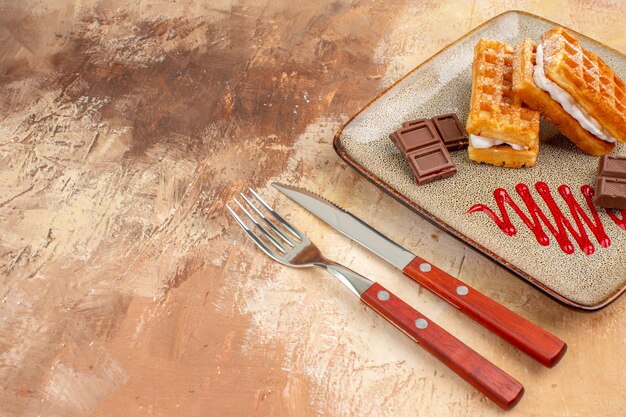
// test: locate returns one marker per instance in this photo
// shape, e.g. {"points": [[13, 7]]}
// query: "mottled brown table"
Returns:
{"points": [[126, 126]]}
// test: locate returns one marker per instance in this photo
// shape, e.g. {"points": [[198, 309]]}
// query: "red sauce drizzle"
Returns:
{"points": [[561, 225]]}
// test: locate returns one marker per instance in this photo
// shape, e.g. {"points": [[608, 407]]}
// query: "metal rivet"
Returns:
{"points": [[462, 290], [421, 323], [383, 295], [425, 267]]}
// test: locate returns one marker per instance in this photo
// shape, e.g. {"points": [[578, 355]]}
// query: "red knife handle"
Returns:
{"points": [[486, 377], [521, 333]]}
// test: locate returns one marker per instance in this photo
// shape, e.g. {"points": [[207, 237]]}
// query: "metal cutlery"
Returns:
{"points": [[284, 243], [521, 333]]}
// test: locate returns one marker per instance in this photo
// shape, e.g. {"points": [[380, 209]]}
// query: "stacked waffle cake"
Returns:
{"points": [[571, 87]]}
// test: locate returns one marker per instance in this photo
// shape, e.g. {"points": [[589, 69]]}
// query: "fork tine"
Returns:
{"points": [[269, 223], [252, 236], [265, 232], [282, 221]]}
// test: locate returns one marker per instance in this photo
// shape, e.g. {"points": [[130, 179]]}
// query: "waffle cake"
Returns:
{"points": [[503, 132], [573, 88]]}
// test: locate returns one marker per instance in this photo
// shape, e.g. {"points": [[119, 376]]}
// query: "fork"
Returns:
{"points": [[289, 246]]}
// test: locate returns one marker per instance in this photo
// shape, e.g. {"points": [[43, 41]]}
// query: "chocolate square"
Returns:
{"points": [[611, 182], [416, 136], [452, 133], [431, 163]]}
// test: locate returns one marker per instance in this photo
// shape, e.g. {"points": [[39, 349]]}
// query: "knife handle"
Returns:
{"points": [[486, 377], [531, 339]]}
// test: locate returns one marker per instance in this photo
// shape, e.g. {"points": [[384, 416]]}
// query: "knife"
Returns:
{"points": [[531, 339]]}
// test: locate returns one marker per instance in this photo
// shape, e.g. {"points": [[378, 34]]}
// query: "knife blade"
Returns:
{"points": [[531, 339]]}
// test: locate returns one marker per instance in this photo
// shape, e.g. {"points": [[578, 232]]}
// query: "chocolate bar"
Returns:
{"points": [[424, 151], [611, 182], [450, 130]]}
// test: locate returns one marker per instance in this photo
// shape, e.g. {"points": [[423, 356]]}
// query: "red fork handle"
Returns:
{"points": [[486, 377], [531, 339]]}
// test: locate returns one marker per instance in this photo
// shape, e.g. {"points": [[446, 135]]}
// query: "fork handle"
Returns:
{"points": [[492, 381], [531, 339]]}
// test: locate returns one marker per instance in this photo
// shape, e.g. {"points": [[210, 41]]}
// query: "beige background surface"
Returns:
{"points": [[125, 126]]}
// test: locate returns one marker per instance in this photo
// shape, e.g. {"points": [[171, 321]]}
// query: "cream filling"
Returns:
{"points": [[483, 142], [567, 101]]}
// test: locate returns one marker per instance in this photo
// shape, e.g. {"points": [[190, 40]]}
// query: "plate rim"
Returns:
{"points": [[436, 220]]}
